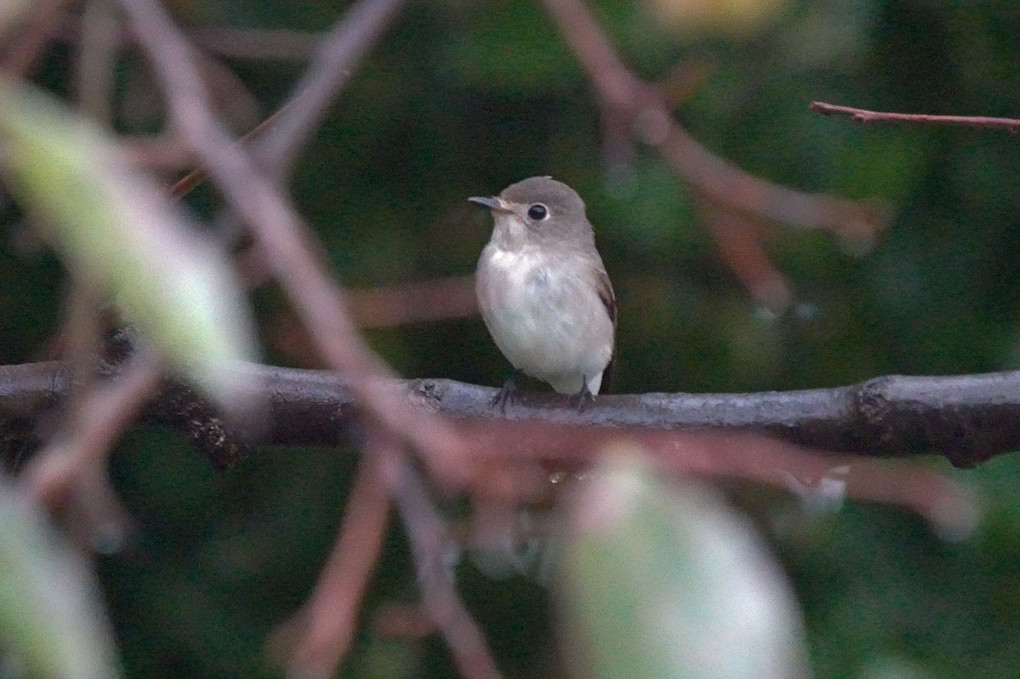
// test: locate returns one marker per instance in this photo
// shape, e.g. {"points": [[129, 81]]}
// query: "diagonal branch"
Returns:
{"points": [[319, 635], [652, 123], [286, 244], [331, 66], [430, 542]]}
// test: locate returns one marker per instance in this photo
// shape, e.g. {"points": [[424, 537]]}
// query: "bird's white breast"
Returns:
{"points": [[545, 315]]}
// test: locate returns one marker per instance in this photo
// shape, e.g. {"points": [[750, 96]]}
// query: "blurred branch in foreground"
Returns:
{"points": [[285, 242], [860, 115], [315, 639]]}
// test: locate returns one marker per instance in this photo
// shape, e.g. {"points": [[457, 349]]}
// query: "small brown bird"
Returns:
{"points": [[543, 290]]}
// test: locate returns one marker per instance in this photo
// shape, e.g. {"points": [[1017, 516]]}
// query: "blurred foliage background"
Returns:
{"points": [[462, 98]]}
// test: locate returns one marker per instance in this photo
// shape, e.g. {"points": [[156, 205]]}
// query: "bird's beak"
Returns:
{"points": [[491, 203]]}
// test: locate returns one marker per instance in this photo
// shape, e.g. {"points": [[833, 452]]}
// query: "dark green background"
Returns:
{"points": [[461, 98]]}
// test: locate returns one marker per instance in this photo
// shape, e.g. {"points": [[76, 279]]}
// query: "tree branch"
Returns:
{"points": [[968, 418], [315, 640], [651, 122], [286, 244], [860, 115], [334, 59], [430, 544]]}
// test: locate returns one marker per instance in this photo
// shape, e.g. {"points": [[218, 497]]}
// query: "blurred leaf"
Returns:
{"points": [[662, 581], [52, 622], [118, 230], [737, 18]]}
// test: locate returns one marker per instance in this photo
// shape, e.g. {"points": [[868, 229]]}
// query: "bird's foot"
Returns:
{"points": [[583, 398], [507, 394]]}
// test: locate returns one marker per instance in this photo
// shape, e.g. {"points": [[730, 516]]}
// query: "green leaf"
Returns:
{"points": [[51, 617], [118, 230], [666, 581]]}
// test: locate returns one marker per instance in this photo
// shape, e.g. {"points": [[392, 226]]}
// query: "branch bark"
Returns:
{"points": [[968, 418], [860, 115]]}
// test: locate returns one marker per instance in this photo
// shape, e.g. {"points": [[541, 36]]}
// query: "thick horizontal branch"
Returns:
{"points": [[968, 418]]}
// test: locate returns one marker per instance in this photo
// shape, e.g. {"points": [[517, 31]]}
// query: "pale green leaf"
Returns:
{"points": [[52, 621], [662, 579], [119, 230]]}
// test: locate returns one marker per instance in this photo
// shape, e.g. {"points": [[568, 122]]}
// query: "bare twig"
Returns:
{"points": [[286, 244], [22, 52], [96, 54], [860, 115], [188, 182], [430, 543], [72, 466], [335, 57], [652, 123], [325, 625]]}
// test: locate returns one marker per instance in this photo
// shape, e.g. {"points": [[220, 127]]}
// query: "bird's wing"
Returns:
{"points": [[608, 297]]}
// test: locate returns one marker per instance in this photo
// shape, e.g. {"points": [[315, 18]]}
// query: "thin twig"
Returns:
{"points": [[286, 244], [860, 115], [326, 623], [716, 179], [97, 52], [430, 543], [72, 466], [188, 182], [335, 58], [21, 54]]}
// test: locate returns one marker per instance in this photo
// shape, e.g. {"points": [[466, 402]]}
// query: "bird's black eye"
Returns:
{"points": [[538, 212]]}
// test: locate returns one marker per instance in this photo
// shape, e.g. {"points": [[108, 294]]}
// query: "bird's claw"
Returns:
{"points": [[583, 398], [507, 393]]}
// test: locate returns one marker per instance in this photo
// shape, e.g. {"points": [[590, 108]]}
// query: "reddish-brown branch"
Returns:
{"points": [[21, 53], [860, 115], [736, 455], [740, 245], [430, 543], [286, 244], [71, 468], [318, 636], [713, 177], [332, 64], [433, 300]]}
